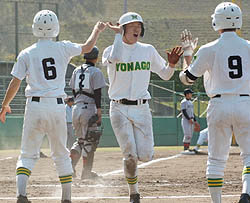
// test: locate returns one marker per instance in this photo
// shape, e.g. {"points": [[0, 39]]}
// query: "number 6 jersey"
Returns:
{"points": [[225, 64], [44, 65]]}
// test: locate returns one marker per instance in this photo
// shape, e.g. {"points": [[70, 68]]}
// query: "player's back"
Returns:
{"points": [[44, 65], [227, 65]]}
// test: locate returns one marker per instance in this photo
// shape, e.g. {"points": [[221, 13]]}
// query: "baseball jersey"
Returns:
{"points": [[68, 114], [44, 65], [129, 75], [188, 105], [93, 79], [224, 64]]}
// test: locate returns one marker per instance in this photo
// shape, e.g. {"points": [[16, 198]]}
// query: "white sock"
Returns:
{"points": [[66, 191], [246, 180], [215, 193], [21, 184]]}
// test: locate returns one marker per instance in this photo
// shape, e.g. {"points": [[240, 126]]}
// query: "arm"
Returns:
{"points": [[116, 51], [184, 112], [10, 94], [91, 41], [97, 98]]}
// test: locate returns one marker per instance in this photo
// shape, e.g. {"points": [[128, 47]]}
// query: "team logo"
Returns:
{"points": [[134, 17]]}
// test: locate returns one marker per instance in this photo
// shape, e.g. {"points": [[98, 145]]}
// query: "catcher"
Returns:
{"points": [[86, 83], [188, 121]]}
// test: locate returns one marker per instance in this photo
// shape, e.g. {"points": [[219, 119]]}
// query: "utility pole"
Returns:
{"points": [[125, 7]]}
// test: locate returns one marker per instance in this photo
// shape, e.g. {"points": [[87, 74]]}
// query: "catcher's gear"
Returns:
{"points": [[197, 127], [131, 17], [187, 42], [45, 24], [227, 15]]}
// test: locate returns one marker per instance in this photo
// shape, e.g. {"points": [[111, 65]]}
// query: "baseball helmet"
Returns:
{"points": [[227, 15], [187, 91], [93, 54], [131, 17], [45, 24]]}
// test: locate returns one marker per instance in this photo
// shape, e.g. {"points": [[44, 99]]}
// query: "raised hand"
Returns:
{"points": [[174, 56], [100, 26], [187, 42], [117, 28], [4, 110]]}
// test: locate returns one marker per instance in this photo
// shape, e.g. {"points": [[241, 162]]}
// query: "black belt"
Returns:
{"points": [[37, 99], [130, 102], [241, 95]]}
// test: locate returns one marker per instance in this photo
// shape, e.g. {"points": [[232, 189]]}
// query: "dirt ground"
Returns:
{"points": [[180, 178]]}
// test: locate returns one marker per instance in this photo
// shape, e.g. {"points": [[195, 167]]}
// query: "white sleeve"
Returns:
{"points": [[105, 55], [199, 64], [159, 66], [19, 69], [71, 49], [116, 51]]}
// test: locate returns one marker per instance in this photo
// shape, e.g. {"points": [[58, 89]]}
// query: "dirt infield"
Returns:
{"points": [[170, 178]]}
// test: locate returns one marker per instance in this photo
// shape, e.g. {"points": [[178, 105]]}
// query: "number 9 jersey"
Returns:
{"points": [[44, 65], [225, 64]]}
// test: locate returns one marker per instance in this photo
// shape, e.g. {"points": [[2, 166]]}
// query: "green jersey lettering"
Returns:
{"points": [[137, 66], [130, 66], [143, 65], [117, 66], [123, 67], [148, 65]]}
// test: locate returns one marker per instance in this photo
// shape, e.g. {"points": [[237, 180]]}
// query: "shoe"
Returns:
{"points": [[22, 199], [244, 198], [134, 198], [42, 155], [66, 201], [91, 175]]}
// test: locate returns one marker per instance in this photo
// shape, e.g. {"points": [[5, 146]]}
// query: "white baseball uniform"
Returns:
{"points": [[225, 66], [186, 126], [44, 66], [129, 68]]}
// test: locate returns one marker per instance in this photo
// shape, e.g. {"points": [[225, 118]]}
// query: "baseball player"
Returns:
{"points": [[188, 118], [44, 64], [71, 138], [225, 66], [129, 64], [203, 137], [86, 83]]}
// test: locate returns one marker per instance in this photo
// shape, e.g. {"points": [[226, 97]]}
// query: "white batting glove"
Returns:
{"points": [[188, 44]]}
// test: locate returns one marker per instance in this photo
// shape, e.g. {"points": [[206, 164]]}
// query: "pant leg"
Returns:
{"points": [[143, 131], [219, 118], [187, 130], [123, 129]]}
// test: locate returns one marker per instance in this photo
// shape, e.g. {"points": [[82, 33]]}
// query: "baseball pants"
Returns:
{"points": [[132, 125], [46, 117], [187, 130], [226, 115]]}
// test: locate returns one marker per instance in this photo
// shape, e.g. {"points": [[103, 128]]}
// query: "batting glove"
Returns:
{"points": [[188, 44]]}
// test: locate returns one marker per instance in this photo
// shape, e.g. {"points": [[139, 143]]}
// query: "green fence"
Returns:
{"points": [[167, 131]]}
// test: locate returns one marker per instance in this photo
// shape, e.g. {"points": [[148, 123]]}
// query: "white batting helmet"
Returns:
{"points": [[45, 24], [227, 15], [131, 17]]}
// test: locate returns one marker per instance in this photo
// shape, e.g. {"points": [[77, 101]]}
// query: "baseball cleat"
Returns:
{"points": [[66, 201], [188, 152], [42, 155], [135, 198], [22, 199], [244, 198]]}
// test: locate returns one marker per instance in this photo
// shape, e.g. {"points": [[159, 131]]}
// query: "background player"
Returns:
{"points": [[44, 66], [225, 66], [203, 137], [129, 64], [188, 118], [86, 82], [71, 138]]}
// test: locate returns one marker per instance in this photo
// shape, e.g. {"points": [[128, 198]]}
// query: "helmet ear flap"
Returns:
{"points": [[142, 30]]}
